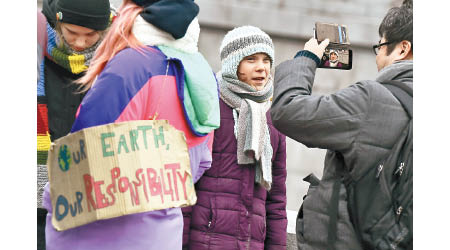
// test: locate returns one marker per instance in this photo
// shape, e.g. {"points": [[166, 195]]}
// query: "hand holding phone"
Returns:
{"points": [[313, 46], [337, 55]]}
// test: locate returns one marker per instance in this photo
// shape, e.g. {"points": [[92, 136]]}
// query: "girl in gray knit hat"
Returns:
{"points": [[242, 197]]}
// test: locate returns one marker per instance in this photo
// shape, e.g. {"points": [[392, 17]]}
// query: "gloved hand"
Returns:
{"points": [[314, 47]]}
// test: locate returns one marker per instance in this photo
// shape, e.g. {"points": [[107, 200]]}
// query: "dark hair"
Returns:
{"points": [[407, 4], [397, 25]]}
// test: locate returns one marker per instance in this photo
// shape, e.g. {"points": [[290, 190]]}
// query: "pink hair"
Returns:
{"points": [[119, 36]]}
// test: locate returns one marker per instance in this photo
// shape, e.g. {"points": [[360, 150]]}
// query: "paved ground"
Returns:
{"points": [[291, 242]]}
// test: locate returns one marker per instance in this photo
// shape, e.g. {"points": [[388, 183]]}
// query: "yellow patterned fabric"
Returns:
{"points": [[43, 142], [77, 63]]}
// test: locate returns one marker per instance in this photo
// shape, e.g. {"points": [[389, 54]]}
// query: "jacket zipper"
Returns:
{"points": [[400, 169], [380, 168], [249, 236]]}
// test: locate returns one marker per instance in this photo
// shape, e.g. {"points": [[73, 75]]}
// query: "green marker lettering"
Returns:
{"points": [[133, 138], [106, 146], [159, 137], [123, 143], [144, 133]]}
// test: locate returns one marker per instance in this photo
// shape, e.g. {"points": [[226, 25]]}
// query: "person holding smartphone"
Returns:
{"points": [[358, 125]]}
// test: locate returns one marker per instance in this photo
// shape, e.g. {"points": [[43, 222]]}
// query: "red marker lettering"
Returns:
{"points": [[141, 181], [183, 180], [154, 184], [166, 191], [102, 201], [88, 184], [174, 167]]}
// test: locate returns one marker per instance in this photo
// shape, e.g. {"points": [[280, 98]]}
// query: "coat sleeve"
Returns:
{"points": [[276, 219], [205, 159], [327, 121], [42, 33], [41, 41]]}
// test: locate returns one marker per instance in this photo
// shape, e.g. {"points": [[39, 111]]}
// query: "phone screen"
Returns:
{"points": [[337, 54], [335, 58]]}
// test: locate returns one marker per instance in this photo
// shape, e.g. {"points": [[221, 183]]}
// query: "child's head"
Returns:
{"points": [[333, 56], [81, 23], [247, 54]]}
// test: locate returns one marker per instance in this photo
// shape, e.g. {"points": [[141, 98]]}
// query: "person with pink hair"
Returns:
{"points": [[147, 67]]}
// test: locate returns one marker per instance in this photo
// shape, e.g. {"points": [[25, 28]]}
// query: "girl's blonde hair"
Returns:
{"points": [[119, 36], [58, 30]]}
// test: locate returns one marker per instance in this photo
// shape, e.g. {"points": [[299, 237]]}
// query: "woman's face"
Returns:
{"points": [[255, 70], [78, 37], [333, 57]]}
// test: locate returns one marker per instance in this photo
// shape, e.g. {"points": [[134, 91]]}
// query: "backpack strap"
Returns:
{"points": [[333, 208], [403, 93], [333, 211]]}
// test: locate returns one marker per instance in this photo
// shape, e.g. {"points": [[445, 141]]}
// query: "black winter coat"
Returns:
{"points": [[62, 99]]}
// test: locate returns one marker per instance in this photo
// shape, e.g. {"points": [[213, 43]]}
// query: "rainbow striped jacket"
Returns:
{"points": [[132, 87]]}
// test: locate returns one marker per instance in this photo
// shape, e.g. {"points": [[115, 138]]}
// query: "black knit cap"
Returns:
{"points": [[171, 16], [144, 3], [93, 14]]}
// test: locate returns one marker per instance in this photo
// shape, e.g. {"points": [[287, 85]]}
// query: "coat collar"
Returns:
{"points": [[149, 34], [401, 70]]}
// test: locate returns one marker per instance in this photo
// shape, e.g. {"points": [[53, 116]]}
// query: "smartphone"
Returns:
{"points": [[338, 54]]}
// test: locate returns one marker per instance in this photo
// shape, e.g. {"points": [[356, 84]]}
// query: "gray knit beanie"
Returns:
{"points": [[241, 42]]}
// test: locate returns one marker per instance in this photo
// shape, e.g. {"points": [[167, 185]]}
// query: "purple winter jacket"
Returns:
{"points": [[232, 212]]}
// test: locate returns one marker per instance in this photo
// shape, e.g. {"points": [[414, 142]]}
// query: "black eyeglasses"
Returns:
{"points": [[376, 48]]}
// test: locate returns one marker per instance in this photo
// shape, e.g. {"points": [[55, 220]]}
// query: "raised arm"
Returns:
{"points": [[327, 121]]}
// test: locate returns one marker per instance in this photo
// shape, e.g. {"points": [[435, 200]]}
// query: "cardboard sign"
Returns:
{"points": [[117, 169]]}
